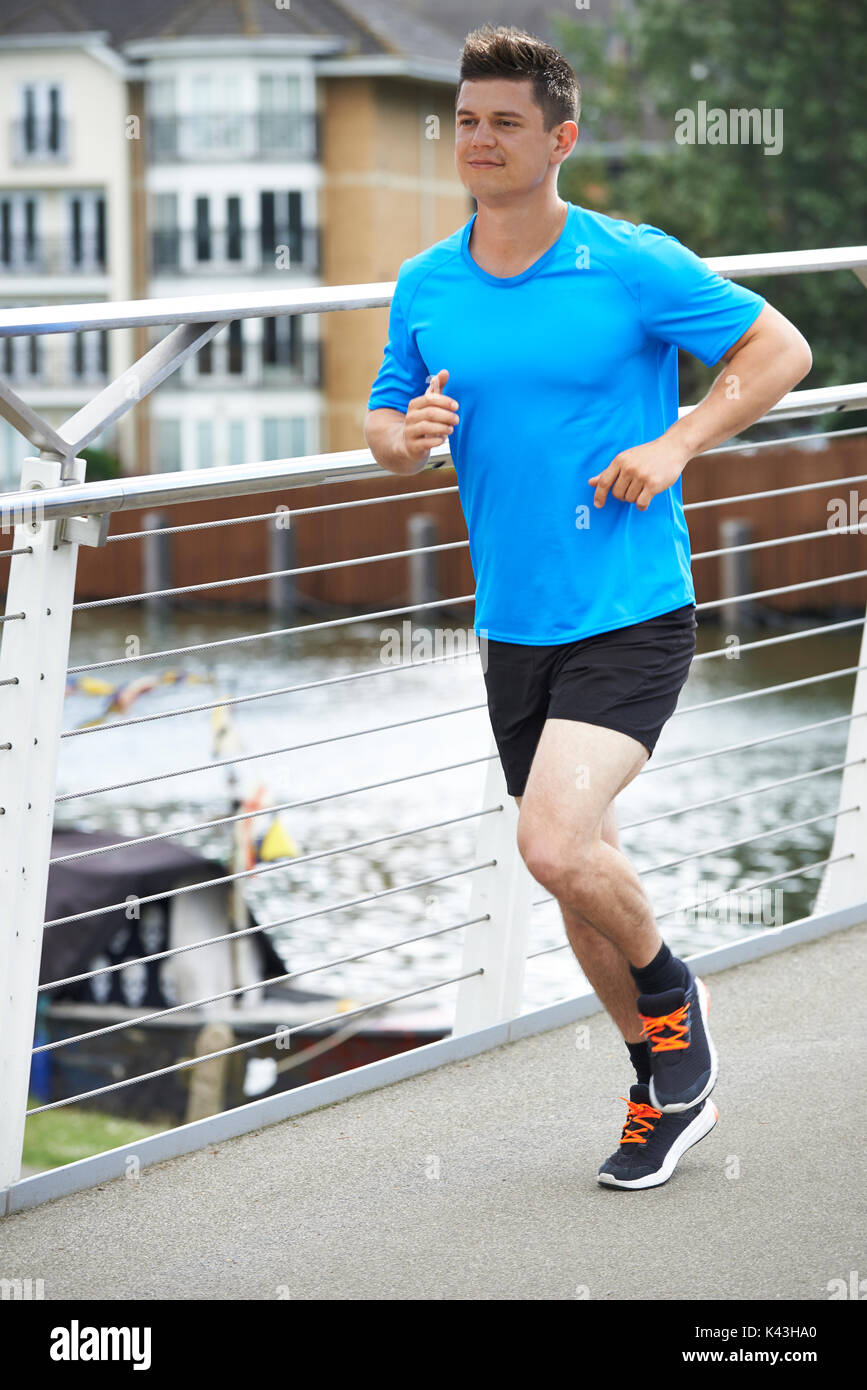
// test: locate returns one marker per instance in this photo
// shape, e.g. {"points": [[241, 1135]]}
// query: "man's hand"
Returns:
{"points": [[430, 419], [637, 475]]}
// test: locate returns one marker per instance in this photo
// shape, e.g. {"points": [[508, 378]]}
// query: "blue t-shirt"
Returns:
{"points": [[555, 371]]}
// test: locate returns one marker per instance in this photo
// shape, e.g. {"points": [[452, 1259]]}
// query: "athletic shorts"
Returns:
{"points": [[629, 680]]}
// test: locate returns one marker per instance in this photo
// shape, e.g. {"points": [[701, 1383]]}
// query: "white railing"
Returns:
{"points": [[55, 512]]}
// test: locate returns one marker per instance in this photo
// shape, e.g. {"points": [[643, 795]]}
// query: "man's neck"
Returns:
{"points": [[516, 236]]}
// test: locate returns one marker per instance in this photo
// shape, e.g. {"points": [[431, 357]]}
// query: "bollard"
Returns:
{"points": [[423, 568], [156, 561], [282, 597], [736, 575]]}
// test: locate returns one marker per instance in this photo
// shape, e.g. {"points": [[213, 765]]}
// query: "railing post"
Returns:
{"points": [[34, 654], [498, 946], [845, 883]]}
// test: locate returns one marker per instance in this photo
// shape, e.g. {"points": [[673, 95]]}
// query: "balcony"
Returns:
{"points": [[227, 136], [38, 255], [40, 141], [229, 362], [235, 250]]}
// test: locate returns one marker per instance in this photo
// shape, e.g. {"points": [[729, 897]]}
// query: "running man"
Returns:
{"points": [[541, 340]]}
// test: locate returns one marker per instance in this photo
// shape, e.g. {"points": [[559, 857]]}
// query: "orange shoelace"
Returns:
{"points": [[677, 1022], [641, 1116]]}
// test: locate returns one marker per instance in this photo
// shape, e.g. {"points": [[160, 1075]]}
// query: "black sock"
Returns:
{"points": [[664, 972], [641, 1061]]}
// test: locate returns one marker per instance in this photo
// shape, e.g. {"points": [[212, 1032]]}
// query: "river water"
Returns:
{"points": [[332, 763]]}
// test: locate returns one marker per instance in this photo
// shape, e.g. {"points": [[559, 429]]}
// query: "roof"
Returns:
{"points": [[365, 27]]}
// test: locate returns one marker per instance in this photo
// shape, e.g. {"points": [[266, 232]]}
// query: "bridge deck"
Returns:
{"points": [[339, 1203]]}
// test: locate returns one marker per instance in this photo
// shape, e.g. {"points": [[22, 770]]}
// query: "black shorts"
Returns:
{"points": [[628, 680]]}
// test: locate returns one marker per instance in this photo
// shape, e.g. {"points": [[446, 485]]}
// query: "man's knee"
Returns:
{"points": [[555, 863]]}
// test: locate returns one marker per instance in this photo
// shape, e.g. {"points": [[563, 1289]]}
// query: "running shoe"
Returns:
{"points": [[683, 1060], [652, 1143]]}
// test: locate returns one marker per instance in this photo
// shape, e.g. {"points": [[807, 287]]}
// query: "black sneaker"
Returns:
{"points": [[652, 1142], [683, 1060]]}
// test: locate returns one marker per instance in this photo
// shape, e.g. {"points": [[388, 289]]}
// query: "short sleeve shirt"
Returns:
{"points": [[555, 371]]}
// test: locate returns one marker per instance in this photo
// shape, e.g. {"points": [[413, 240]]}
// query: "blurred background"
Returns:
{"points": [[168, 149]]}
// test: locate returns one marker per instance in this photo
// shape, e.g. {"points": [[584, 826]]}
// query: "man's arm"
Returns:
{"points": [[766, 362], [769, 360], [383, 434], [402, 443]]}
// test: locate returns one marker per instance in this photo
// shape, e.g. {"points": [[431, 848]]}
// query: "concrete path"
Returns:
{"points": [[477, 1181]]}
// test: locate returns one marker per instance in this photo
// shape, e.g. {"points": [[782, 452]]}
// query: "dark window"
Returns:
{"points": [[75, 209], [5, 232], [294, 229], [29, 120], [30, 229], [267, 227], [100, 231], [33, 356], [54, 119], [236, 348], [78, 354], [269, 342], [203, 230], [205, 359], [103, 351], [233, 229]]}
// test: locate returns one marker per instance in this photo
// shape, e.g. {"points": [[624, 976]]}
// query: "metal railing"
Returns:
{"points": [[229, 135], [52, 255], [55, 512], [235, 250]]}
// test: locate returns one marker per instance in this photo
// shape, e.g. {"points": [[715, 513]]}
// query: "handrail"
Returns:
{"points": [[220, 308], [171, 489]]}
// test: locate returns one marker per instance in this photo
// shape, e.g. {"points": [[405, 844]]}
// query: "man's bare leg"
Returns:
{"points": [[577, 771], [603, 963]]}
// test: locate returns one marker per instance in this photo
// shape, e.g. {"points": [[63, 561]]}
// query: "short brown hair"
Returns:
{"points": [[504, 51]]}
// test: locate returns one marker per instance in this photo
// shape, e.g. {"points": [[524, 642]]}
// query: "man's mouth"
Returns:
{"points": [[485, 164]]}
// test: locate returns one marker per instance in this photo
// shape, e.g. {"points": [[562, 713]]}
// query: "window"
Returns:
{"points": [[235, 356], [280, 225], [237, 447], [86, 223], [21, 358], [217, 125], [283, 438], [280, 121], [233, 229], [280, 341], [205, 444], [203, 229], [41, 128], [19, 231], [89, 354], [167, 440], [166, 243]]}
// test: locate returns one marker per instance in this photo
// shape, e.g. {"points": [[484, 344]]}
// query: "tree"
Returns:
{"points": [[805, 61]]}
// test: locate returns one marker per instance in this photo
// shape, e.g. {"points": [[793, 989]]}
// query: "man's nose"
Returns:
{"points": [[483, 135]]}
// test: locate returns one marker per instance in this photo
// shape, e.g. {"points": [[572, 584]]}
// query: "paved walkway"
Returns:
{"points": [[477, 1181]]}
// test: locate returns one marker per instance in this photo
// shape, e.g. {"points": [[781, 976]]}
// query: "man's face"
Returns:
{"points": [[501, 145]]}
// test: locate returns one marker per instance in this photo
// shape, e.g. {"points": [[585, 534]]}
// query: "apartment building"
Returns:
{"points": [[171, 149], [65, 214]]}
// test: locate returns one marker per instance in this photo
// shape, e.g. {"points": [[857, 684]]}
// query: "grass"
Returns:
{"points": [[61, 1136]]}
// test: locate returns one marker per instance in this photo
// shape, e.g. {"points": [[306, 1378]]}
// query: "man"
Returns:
{"points": [[556, 330]]}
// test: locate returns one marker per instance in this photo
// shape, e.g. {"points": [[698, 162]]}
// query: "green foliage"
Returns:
{"points": [[100, 465], [807, 60]]}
